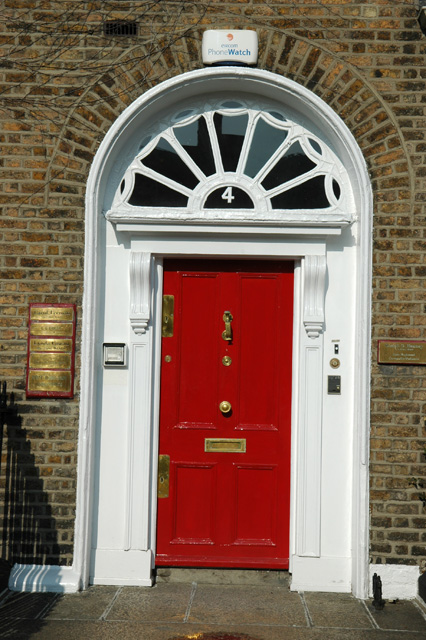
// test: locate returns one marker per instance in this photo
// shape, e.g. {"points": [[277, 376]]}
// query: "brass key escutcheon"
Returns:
{"points": [[227, 318], [168, 316], [163, 476]]}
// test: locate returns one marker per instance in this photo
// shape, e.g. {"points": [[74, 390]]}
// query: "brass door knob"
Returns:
{"points": [[225, 406]]}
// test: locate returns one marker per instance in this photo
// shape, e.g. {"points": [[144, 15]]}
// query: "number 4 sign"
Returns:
{"points": [[227, 195]]}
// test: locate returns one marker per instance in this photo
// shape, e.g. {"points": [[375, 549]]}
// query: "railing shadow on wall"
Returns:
{"points": [[29, 532]]}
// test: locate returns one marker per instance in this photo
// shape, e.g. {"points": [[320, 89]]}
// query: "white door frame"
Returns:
{"points": [[148, 243]]}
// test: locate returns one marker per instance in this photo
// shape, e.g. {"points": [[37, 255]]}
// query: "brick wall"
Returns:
{"points": [[62, 85]]}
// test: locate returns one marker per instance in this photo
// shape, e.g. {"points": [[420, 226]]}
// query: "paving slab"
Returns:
{"points": [[339, 610], [26, 605], [238, 604], [162, 603], [223, 576], [87, 605], [401, 615]]}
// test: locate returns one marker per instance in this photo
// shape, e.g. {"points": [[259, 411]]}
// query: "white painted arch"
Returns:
{"points": [[141, 246]]}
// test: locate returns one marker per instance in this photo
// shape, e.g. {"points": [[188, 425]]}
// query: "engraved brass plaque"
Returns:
{"points": [[402, 352], [51, 347], [163, 476], [52, 329], [63, 314], [50, 361], [168, 316], [59, 381], [225, 445], [50, 344]]}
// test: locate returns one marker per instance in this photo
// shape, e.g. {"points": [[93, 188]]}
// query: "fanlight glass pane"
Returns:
{"points": [[292, 164], [336, 189], [195, 139], [314, 144], [150, 193], [164, 159], [230, 131], [266, 140], [309, 195], [229, 198]]}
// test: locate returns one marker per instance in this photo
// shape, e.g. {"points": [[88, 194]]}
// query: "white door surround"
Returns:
{"points": [[116, 509]]}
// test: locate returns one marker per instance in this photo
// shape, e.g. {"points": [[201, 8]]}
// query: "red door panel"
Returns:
{"points": [[227, 508], [194, 492], [256, 484]]}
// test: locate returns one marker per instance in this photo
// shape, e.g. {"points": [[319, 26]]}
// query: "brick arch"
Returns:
{"points": [[338, 83], [362, 109]]}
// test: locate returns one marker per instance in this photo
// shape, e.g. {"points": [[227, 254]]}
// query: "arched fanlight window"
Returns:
{"points": [[236, 161]]}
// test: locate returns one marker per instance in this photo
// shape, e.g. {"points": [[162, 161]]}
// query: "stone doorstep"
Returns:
{"points": [[223, 576]]}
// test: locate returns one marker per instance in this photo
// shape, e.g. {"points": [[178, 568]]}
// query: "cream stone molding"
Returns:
{"points": [[140, 293], [314, 295]]}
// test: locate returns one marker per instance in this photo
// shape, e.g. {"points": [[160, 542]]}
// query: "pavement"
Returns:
{"points": [[206, 605]]}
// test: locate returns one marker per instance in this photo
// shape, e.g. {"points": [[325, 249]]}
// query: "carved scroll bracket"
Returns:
{"points": [[140, 291], [314, 295]]}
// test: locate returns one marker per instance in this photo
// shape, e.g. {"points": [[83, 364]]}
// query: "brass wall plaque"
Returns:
{"points": [[51, 349], [168, 316], [225, 445], [402, 352], [50, 344], [52, 329], [50, 360], [163, 476], [59, 381], [63, 314]]}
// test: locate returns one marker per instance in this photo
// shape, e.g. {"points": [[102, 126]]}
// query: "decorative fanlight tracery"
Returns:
{"points": [[234, 162]]}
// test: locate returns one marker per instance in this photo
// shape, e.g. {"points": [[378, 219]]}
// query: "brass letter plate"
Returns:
{"points": [[163, 476], [225, 445], [168, 316]]}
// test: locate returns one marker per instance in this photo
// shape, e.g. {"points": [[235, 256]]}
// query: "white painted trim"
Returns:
{"points": [[315, 268], [308, 540], [124, 582], [44, 578], [140, 291], [127, 568], [139, 446], [332, 575], [110, 161], [398, 580]]}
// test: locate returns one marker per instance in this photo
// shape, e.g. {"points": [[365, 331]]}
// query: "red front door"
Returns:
{"points": [[225, 415]]}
